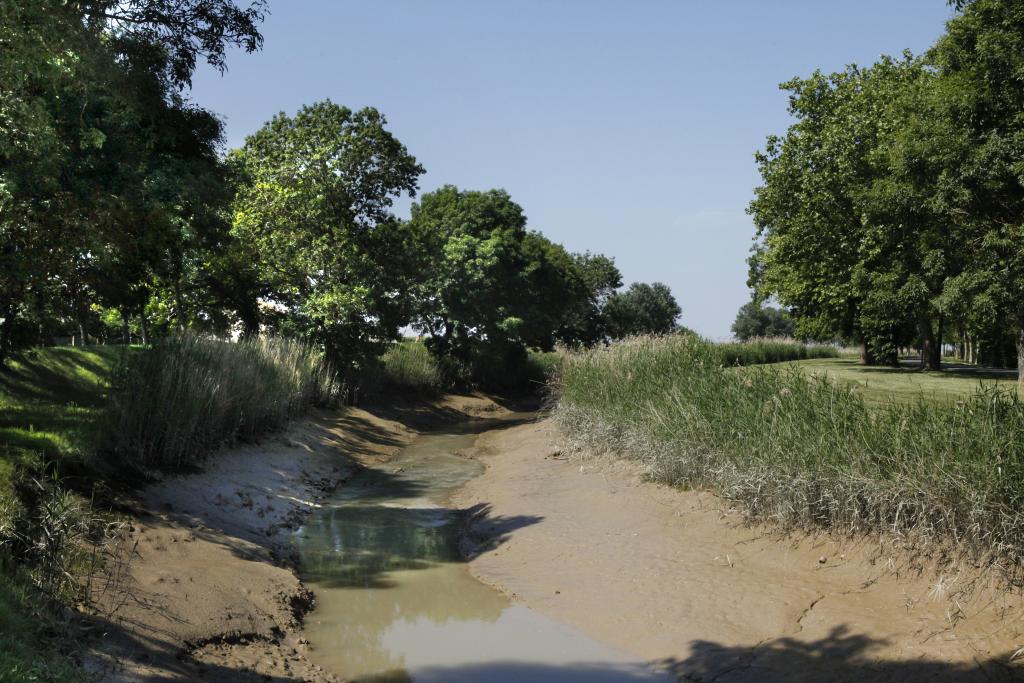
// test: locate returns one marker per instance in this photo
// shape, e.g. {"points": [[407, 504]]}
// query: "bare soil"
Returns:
{"points": [[675, 577]]}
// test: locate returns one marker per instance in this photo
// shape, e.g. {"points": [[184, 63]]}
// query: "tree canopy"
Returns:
{"points": [[642, 309], [890, 212], [755, 320], [313, 208]]}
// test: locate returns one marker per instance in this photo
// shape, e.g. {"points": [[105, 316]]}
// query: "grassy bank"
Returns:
{"points": [[50, 400], [804, 450], [100, 412]]}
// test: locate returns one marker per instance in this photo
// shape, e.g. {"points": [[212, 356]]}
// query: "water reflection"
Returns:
{"points": [[394, 601]]}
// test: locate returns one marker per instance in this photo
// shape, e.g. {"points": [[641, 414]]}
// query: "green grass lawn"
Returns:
{"points": [[49, 398], [879, 384]]}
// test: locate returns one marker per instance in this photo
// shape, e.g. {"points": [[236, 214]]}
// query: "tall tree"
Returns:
{"points": [[981, 59], [93, 142], [485, 280], [757, 320], [315, 199], [824, 250], [585, 323], [642, 309]]}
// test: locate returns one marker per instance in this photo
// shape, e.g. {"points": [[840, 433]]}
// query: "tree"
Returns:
{"points": [[641, 309], [486, 282], [755, 320], [315, 206], [186, 30], [585, 323], [980, 58], [105, 171], [834, 238]]}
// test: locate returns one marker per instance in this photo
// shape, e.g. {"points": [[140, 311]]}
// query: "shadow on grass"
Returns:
{"points": [[911, 366], [59, 375]]}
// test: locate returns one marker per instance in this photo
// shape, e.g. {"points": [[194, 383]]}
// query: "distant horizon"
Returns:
{"points": [[590, 115]]}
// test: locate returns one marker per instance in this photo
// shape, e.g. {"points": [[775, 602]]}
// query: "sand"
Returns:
{"points": [[211, 592], [675, 577]]}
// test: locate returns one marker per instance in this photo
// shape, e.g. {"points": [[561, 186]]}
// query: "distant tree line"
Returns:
{"points": [[891, 213], [754, 320], [121, 217]]}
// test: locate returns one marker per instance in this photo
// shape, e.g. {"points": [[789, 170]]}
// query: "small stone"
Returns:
{"points": [[822, 560]]}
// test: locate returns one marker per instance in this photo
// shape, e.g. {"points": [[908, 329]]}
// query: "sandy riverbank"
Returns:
{"points": [[672, 576], [211, 592]]}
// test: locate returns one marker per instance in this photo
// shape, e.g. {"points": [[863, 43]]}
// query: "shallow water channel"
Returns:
{"points": [[394, 601]]}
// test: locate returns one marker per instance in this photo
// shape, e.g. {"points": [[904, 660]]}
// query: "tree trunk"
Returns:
{"points": [[142, 328], [931, 354], [1020, 354], [126, 335], [179, 303], [867, 357], [249, 314], [81, 334]]}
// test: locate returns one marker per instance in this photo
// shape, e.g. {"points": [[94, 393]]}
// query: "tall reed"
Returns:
{"points": [[410, 365], [802, 450], [188, 395], [772, 350]]}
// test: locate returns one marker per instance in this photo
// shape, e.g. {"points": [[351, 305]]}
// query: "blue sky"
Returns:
{"points": [[626, 128]]}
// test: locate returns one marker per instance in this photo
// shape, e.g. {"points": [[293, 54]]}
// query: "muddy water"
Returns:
{"points": [[395, 602]]}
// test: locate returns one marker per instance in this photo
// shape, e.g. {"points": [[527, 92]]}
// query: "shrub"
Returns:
{"points": [[511, 369], [763, 351], [187, 396], [801, 450]]}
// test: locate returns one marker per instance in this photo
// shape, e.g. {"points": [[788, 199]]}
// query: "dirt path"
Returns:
{"points": [[670, 576], [210, 593]]}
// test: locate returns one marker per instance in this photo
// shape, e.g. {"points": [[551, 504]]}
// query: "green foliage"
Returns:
{"points": [[764, 351], [187, 396], [641, 309], [802, 450], [585, 322], [890, 212], [488, 290], [110, 183], [314, 212], [818, 253], [755, 320], [482, 278]]}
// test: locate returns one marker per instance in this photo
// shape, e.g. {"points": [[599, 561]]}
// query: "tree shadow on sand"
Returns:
{"points": [[842, 655]]}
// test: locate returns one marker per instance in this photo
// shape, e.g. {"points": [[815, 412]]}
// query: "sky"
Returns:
{"points": [[626, 128]]}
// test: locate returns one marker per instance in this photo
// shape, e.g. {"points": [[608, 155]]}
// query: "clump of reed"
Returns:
{"points": [[410, 365], [803, 451], [176, 402], [772, 350]]}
